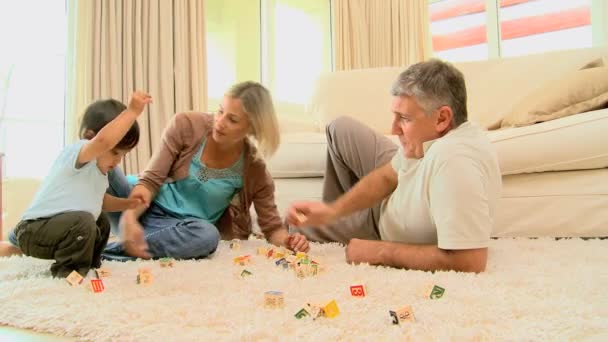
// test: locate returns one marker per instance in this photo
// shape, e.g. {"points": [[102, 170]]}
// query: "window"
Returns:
{"points": [[468, 29], [284, 44], [458, 29], [32, 85], [544, 25]]}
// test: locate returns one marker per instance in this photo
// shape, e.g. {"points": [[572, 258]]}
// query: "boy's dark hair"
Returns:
{"points": [[100, 113]]}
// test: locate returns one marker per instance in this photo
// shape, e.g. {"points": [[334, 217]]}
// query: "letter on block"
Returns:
{"points": [[437, 292], [302, 313]]}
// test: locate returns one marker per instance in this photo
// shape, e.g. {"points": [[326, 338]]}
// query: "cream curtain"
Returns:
{"points": [[379, 33], [120, 46]]}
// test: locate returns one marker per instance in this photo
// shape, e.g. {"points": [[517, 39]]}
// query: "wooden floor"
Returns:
{"points": [[13, 334]]}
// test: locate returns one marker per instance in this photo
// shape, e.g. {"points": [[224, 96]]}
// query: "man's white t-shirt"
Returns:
{"points": [[449, 196]]}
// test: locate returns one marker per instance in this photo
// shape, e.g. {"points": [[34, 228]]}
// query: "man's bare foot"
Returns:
{"points": [[7, 249]]}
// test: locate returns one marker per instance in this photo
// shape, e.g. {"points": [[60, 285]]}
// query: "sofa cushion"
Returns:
{"points": [[299, 155], [577, 92], [573, 143]]}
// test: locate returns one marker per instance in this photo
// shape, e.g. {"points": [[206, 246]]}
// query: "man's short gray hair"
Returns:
{"points": [[434, 83]]}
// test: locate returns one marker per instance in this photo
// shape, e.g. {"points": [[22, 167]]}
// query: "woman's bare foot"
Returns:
{"points": [[7, 249]]}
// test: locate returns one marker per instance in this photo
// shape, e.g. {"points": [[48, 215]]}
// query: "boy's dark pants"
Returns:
{"points": [[74, 240]]}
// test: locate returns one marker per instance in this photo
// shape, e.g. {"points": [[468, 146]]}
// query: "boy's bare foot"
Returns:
{"points": [[7, 249]]}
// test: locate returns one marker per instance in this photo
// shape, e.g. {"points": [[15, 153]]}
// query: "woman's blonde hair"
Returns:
{"points": [[257, 103]]}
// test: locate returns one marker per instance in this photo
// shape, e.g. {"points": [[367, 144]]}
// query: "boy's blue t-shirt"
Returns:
{"points": [[67, 188]]}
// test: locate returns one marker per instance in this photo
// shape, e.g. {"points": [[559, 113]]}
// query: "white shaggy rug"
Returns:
{"points": [[532, 290]]}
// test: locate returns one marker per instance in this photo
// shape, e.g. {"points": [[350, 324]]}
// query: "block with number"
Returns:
{"points": [[357, 291], [102, 272], [74, 278], [331, 309], [273, 299], [145, 277], [97, 285], [404, 314], [166, 262]]}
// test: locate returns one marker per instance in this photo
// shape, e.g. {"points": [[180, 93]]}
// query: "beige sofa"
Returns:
{"points": [[555, 173]]}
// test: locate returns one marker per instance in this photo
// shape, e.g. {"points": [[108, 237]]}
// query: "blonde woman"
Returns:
{"points": [[201, 182]]}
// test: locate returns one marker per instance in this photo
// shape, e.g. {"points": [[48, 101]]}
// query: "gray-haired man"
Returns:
{"points": [[433, 204]]}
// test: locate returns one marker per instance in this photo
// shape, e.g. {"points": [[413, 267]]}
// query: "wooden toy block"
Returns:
{"points": [[291, 258], [102, 272], [304, 261], [243, 260], [436, 292], [235, 245], [245, 273], [145, 276], [301, 217], [402, 315], [315, 310], [279, 255], [280, 262], [301, 271], [357, 291], [166, 262], [270, 253], [262, 251], [302, 313], [331, 309], [300, 255], [97, 285], [74, 278], [273, 299]]}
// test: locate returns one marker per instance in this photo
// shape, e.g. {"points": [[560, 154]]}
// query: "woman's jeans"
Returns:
{"points": [[166, 235]]}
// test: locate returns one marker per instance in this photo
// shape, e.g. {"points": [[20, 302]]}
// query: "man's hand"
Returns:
{"points": [[310, 214], [297, 243], [133, 238], [138, 101], [363, 251]]}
